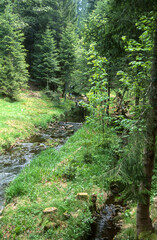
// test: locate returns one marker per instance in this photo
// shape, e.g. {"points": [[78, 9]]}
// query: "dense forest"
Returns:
{"points": [[106, 53]]}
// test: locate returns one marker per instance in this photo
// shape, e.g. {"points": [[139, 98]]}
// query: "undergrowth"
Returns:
{"points": [[128, 230]]}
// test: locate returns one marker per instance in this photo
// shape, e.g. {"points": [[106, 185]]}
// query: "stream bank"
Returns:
{"points": [[20, 155], [21, 119]]}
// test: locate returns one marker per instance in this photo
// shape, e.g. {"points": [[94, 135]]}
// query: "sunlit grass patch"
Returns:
{"points": [[18, 120]]}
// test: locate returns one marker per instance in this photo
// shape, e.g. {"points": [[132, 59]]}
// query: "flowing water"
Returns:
{"points": [[16, 158], [106, 227]]}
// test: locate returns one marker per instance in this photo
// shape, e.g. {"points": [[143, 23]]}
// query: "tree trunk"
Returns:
{"points": [[137, 99], [65, 90], [109, 88], [108, 93], [143, 215]]}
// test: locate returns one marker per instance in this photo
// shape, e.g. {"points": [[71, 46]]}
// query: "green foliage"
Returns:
{"points": [[138, 71], [97, 95], [81, 12], [130, 166], [94, 27], [154, 180], [106, 26], [36, 16], [81, 74], [13, 67], [84, 9], [128, 231]]}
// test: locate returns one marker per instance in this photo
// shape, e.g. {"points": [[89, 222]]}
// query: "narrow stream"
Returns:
{"points": [[13, 160], [106, 227]]}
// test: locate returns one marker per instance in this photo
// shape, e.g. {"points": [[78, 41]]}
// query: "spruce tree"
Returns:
{"points": [[67, 57], [13, 68], [37, 14], [144, 222], [45, 62]]}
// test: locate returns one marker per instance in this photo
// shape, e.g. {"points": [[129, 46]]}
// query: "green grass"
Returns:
{"points": [[20, 119], [128, 231], [54, 179]]}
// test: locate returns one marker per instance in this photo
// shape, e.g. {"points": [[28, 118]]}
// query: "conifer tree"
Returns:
{"points": [[144, 222], [91, 5], [81, 73], [13, 68], [67, 57], [45, 62], [36, 15]]}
